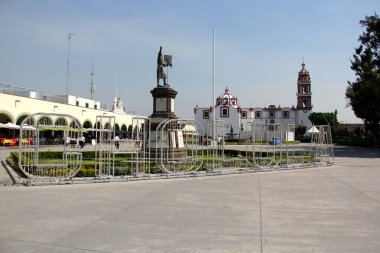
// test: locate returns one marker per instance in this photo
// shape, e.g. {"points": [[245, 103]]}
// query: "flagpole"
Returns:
{"points": [[213, 77], [116, 83], [213, 98]]}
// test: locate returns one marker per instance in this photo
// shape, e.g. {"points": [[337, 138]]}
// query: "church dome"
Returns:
{"points": [[227, 99]]}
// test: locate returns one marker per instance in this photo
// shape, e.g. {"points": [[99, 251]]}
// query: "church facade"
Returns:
{"points": [[234, 118]]}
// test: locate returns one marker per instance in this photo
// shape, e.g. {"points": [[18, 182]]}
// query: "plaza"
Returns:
{"points": [[165, 168], [323, 209]]}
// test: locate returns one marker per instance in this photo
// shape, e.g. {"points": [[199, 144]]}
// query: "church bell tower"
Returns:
{"points": [[304, 90], [304, 105]]}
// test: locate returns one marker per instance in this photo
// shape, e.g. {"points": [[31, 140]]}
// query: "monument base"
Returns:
{"points": [[163, 105], [162, 143]]}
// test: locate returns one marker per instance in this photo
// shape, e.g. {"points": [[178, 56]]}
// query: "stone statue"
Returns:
{"points": [[117, 104], [160, 68]]}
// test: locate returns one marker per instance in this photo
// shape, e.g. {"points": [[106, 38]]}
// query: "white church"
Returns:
{"points": [[234, 117]]}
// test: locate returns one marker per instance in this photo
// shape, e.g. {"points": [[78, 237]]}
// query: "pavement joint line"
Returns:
{"points": [[355, 166], [53, 245], [205, 208], [308, 212], [353, 188]]}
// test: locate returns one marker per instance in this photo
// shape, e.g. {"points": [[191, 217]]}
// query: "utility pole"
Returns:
{"points": [[68, 67], [92, 85]]}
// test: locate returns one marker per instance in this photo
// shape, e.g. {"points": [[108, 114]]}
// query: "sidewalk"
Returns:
{"points": [[331, 209]]}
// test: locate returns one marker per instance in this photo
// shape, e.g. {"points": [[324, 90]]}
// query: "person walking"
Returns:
{"points": [[82, 141], [117, 141]]}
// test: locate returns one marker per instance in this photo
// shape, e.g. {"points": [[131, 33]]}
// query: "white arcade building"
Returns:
{"points": [[234, 117], [17, 103]]}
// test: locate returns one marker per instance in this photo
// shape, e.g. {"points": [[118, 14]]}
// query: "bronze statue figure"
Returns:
{"points": [[160, 68]]}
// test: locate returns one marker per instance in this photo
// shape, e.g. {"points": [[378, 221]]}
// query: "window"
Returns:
{"points": [[271, 127], [44, 121], [60, 122], [271, 115], [206, 114], [243, 114], [86, 105], [224, 112], [285, 114], [258, 115], [95, 106], [77, 103]]}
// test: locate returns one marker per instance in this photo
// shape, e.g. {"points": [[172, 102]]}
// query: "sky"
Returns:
{"points": [[259, 49]]}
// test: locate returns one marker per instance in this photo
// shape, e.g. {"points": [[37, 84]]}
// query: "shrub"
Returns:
{"points": [[86, 172]]}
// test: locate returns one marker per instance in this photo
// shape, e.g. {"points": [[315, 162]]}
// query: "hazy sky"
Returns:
{"points": [[260, 46]]}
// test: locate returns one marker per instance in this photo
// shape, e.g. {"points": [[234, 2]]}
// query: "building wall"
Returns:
{"points": [[18, 106], [239, 123], [83, 102], [198, 116], [232, 122], [278, 116], [303, 117]]}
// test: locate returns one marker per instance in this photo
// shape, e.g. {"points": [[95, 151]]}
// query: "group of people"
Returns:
{"points": [[81, 141]]}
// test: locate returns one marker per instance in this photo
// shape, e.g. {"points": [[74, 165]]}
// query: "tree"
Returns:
{"points": [[324, 118], [300, 132], [363, 94]]}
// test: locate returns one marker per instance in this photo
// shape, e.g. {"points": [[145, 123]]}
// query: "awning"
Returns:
{"points": [[10, 125], [61, 128], [312, 130], [27, 127]]}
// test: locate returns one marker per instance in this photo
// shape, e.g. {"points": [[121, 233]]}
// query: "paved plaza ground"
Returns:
{"points": [[329, 209]]}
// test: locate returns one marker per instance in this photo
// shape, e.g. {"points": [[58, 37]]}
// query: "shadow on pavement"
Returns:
{"points": [[358, 152]]}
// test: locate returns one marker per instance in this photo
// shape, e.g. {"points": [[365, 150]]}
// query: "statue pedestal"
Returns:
{"points": [[163, 109], [163, 105]]}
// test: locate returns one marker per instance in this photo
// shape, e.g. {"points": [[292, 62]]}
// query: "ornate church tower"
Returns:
{"points": [[304, 105]]}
